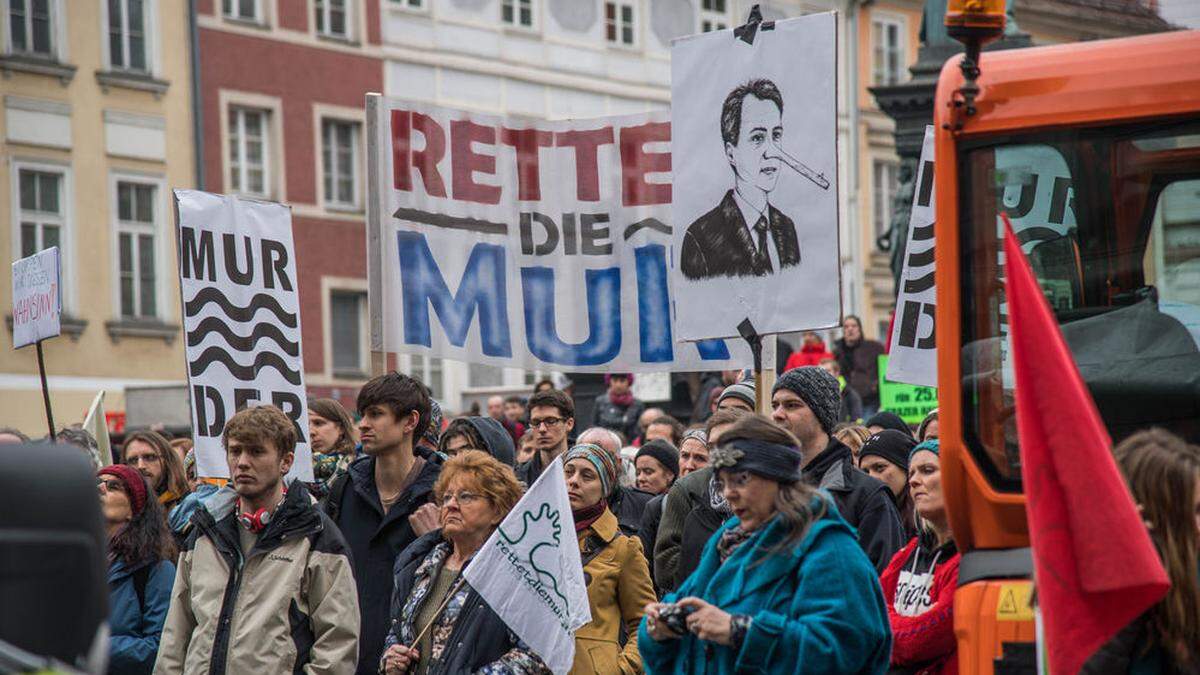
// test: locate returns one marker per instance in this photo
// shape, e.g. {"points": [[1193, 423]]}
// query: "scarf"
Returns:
{"points": [[730, 540], [623, 400], [587, 515], [716, 499]]}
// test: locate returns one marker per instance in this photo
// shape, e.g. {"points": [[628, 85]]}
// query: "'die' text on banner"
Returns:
{"points": [[525, 243], [914, 344], [37, 298], [241, 319]]}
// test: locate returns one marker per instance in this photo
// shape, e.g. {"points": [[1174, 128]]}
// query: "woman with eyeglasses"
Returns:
{"points": [[614, 568], [439, 623], [140, 571], [782, 586]]}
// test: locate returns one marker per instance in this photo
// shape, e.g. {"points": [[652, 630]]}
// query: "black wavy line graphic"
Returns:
{"points": [[244, 373], [215, 325], [920, 259], [919, 284], [241, 314], [650, 224], [923, 232]]}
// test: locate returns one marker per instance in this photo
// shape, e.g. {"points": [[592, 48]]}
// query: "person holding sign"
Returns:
{"points": [[618, 578], [432, 603], [782, 586]]}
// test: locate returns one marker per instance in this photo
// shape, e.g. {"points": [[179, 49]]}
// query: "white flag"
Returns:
{"points": [[97, 426], [530, 573]]}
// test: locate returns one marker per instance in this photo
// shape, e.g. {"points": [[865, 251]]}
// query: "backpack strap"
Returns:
{"points": [[592, 546], [333, 501]]}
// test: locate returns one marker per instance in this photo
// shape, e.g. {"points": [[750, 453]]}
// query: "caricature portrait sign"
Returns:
{"points": [[754, 129]]}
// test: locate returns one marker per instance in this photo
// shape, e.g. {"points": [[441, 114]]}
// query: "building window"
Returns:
{"points": [[31, 27], [339, 157], [428, 370], [41, 211], [410, 4], [135, 250], [333, 18], [249, 166], [884, 186], [714, 15], [127, 35], [348, 332], [246, 10], [517, 12], [888, 56], [618, 23]]}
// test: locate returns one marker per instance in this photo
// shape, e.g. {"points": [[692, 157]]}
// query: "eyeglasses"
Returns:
{"points": [[137, 459], [111, 485], [463, 498], [548, 421], [735, 481]]}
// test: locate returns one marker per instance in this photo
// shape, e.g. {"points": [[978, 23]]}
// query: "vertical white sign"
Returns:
{"points": [[241, 319], [913, 356], [37, 298]]}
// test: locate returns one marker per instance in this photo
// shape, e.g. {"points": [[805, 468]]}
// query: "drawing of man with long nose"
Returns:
{"points": [[745, 235]]}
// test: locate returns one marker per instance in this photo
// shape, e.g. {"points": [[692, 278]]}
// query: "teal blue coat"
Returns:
{"points": [[816, 608]]}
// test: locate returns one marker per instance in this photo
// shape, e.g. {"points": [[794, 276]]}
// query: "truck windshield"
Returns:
{"points": [[1110, 220]]}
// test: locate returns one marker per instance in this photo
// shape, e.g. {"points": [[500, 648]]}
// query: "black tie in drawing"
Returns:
{"points": [[764, 257]]}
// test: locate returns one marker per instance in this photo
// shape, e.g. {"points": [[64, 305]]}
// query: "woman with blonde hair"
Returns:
{"points": [[853, 436], [1163, 473]]}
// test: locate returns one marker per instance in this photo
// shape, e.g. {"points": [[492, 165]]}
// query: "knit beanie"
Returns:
{"points": [[135, 485], [743, 391], [600, 459], [776, 462], [892, 445], [818, 389], [930, 445], [889, 420], [664, 452]]}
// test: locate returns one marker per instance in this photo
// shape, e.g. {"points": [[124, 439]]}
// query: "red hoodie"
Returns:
{"points": [[923, 619], [809, 355]]}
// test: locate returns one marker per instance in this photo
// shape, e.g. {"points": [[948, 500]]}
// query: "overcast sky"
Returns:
{"points": [[1181, 12]]}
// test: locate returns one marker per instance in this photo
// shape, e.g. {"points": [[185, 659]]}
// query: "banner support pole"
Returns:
{"points": [[45, 389]]}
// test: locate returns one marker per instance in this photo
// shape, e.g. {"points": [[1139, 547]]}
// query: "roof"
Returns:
{"points": [[1135, 16]]}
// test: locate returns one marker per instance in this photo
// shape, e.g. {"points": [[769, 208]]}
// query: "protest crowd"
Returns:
{"points": [[813, 540]]}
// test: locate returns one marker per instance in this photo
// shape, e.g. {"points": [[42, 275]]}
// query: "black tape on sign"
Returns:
{"points": [[750, 335], [747, 31]]}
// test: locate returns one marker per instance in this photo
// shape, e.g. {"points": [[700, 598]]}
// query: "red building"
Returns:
{"points": [[281, 97]]}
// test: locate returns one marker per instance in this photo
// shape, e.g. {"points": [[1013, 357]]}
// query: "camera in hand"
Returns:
{"points": [[675, 617]]}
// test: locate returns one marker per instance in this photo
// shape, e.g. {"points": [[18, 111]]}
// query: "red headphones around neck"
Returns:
{"points": [[258, 520]]}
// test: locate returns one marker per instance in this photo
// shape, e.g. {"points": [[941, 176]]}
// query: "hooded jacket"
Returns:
{"points": [[375, 539], [288, 606], [918, 587], [499, 442], [136, 622], [800, 622], [866, 503]]}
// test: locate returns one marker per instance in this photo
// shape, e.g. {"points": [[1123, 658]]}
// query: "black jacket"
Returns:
{"points": [[622, 419], [479, 636], [701, 523], [865, 502], [375, 540], [629, 506], [719, 244], [528, 471], [860, 367], [852, 409], [649, 532]]}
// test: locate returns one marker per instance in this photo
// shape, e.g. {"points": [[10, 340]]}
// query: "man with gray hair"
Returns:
{"points": [[627, 503]]}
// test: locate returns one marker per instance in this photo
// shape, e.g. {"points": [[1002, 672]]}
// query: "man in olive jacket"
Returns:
{"points": [[264, 583]]}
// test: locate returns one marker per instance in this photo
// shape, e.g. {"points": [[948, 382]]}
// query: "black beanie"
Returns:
{"points": [[889, 420], [892, 445], [664, 452]]}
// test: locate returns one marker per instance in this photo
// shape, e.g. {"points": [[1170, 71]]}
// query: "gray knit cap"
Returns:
{"points": [[743, 391], [818, 389]]}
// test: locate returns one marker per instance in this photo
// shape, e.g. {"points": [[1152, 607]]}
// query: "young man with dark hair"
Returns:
{"points": [[264, 583], [376, 500], [551, 419]]}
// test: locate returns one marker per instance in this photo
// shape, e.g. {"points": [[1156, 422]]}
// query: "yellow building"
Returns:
{"points": [[96, 128]]}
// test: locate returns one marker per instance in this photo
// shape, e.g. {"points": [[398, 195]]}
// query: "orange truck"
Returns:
{"points": [[1093, 149]]}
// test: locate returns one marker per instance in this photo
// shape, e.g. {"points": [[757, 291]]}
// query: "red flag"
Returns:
{"points": [[1094, 565]]}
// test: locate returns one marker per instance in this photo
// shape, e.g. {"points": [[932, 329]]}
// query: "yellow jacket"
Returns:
{"points": [[619, 588]]}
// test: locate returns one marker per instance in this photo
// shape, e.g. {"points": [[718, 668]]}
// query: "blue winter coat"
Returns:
{"points": [[135, 626], [816, 608], [180, 517]]}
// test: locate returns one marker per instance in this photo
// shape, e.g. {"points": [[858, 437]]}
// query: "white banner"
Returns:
{"points": [[530, 573], [754, 137], [913, 356], [527, 244], [241, 319], [37, 298]]}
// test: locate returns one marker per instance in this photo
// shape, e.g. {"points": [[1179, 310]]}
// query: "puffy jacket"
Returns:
{"points": [[809, 355], [135, 621], [918, 587], [620, 418], [800, 621], [375, 539], [288, 606], [860, 365], [865, 502], [180, 517], [476, 637], [619, 588]]}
